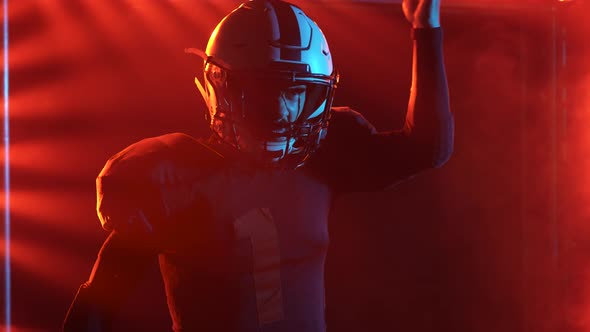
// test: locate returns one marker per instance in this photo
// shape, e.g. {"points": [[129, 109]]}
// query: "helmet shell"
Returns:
{"points": [[261, 32], [268, 43]]}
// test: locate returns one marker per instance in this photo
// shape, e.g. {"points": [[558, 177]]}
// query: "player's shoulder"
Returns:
{"points": [[348, 122], [347, 130], [131, 186], [344, 111], [143, 156]]}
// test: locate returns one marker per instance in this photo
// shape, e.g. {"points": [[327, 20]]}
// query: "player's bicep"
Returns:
{"points": [[380, 161], [355, 157], [393, 157]]}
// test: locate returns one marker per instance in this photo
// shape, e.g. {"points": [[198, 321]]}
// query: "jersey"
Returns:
{"points": [[243, 249], [240, 246]]}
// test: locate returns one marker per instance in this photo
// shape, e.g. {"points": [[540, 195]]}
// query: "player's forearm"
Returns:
{"points": [[429, 121], [121, 264], [86, 313]]}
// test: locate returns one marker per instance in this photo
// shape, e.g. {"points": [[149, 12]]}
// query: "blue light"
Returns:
{"points": [[7, 286]]}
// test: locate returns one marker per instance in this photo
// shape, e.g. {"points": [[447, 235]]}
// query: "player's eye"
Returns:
{"points": [[294, 91]]}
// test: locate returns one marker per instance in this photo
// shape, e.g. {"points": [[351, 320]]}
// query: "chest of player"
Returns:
{"points": [[268, 229], [271, 210]]}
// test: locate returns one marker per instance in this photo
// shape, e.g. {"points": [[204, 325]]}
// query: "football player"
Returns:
{"points": [[238, 221]]}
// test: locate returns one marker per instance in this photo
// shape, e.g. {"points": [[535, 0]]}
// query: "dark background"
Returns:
{"points": [[496, 240]]}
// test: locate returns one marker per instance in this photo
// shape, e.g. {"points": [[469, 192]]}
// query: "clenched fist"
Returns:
{"points": [[422, 13]]}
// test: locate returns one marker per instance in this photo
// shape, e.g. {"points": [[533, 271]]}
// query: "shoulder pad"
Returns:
{"points": [[141, 156], [348, 122], [128, 188]]}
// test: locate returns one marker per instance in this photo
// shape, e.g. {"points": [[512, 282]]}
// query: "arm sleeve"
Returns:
{"points": [[356, 157], [120, 266]]}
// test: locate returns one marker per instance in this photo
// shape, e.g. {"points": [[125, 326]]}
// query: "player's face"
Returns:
{"points": [[269, 113], [289, 103]]}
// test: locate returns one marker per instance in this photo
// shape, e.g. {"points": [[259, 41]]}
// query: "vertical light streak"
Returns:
{"points": [[7, 286]]}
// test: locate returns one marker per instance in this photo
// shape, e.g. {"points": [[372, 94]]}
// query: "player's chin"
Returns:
{"points": [[269, 151], [275, 150]]}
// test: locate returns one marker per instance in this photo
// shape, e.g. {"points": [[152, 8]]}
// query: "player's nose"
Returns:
{"points": [[279, 109]]}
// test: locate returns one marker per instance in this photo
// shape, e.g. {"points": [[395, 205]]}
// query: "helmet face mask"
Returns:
{"points": [[269, 97]]}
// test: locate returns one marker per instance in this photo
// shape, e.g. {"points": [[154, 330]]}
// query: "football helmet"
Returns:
{"points": [[269, 82]]}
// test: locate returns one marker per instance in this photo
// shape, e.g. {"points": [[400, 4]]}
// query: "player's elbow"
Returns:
{"points": [[443, 152], [441, 159], [444, 148]]}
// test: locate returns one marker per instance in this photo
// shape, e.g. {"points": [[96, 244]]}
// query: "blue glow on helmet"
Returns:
{"points": [[274, 43]]}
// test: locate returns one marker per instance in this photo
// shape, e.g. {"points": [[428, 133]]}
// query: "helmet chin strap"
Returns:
{"points": [[201, 88], [283, 147]]}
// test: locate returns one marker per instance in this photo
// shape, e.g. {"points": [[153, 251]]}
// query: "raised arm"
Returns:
{"points": [[428, 119], [355, 157]]}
